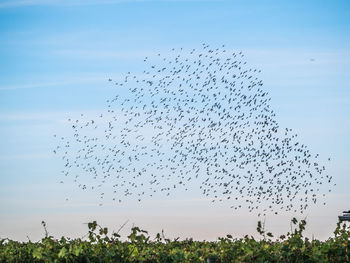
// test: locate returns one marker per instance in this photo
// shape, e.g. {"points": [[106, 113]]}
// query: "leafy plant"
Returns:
{"points": [[100, 246]]}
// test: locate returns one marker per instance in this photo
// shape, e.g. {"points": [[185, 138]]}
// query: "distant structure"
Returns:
{"points": [[345, 216]]}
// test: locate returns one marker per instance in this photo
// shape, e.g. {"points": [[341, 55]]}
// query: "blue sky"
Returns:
{"points": [[56, 57]]}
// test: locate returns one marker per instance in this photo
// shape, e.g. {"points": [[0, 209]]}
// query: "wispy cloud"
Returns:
{"points": [[20, 3], [104, 54], [30, 86], [80, 79], [60, 116]]}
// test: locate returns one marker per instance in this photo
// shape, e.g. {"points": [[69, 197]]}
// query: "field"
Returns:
{"points": [[100, 246]]}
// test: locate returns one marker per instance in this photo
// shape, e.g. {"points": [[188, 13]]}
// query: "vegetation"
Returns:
{"points": [[99, 246]]}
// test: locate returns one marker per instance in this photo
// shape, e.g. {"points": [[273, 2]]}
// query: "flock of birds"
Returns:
{"points": [[199, 116]]}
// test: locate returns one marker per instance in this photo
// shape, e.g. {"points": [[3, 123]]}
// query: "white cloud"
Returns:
{"points": [[104, 54], [19, 3], [92, 78]]}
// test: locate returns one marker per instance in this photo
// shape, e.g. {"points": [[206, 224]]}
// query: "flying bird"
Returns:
{"points": [[202, 119]]}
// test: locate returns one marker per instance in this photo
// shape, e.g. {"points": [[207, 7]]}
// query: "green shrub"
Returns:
{"points": [[139, 247]]}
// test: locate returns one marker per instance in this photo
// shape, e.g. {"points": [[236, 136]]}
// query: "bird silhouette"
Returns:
{"points": [[201, 116]]}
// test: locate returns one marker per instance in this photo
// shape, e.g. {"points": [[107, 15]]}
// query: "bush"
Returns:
{"points": [[101, 247]]}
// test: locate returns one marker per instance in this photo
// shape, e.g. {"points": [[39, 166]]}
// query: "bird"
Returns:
{"points": [[197, 118]]}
